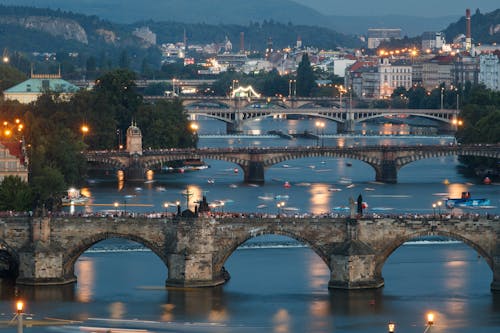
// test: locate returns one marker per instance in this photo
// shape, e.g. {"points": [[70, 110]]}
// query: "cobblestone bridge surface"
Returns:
{"points": [[43, 251]]}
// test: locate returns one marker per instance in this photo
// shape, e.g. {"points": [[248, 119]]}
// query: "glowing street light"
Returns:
{"points": [[319, 124], [20, 312], [166, 207], [391, 327], [430, 321]]}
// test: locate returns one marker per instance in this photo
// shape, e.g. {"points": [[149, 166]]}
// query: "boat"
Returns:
{"points": [[466, 201], [210, 180], [287, 185], [74, 197], [487, 181]]}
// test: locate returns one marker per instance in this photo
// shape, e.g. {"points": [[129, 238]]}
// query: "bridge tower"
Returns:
{"points": [[134, 140], [134, 148]]}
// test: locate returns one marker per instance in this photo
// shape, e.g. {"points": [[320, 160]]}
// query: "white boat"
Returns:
{"points": [[74, 197], [210, 180]]}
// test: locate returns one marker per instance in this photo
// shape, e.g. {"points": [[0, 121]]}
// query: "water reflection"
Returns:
{"points": [[281, 321], [356, 302], [64, 293], [320, 198], [86, 279], [198, 303]]}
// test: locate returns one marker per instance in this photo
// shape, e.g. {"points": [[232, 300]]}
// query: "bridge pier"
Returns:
{"points": [[41, 262], [193, 271], [346, 127], [387, 172], [353, 263], [254, 172], [495, 285], [234, 128]]}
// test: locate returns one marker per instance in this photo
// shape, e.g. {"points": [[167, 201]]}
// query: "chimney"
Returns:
{"points": [[242, 42], [468, 39]]}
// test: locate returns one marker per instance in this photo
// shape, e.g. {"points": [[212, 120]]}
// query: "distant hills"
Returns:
{"points": [[236, 12]]}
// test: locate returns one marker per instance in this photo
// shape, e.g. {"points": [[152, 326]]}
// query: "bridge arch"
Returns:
{"points": [[70, 257], [225, 253], [387, 252], [9, 261]]}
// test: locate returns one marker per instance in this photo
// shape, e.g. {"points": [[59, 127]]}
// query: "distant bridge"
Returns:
{"points": [[43, 251], [235, 111], [385, 160]]}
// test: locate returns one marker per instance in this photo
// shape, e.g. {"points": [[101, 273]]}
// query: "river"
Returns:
{"points": [[278, 285]]}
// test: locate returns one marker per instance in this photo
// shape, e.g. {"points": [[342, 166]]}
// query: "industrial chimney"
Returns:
{"points": [[468, 39], [242, 42]]}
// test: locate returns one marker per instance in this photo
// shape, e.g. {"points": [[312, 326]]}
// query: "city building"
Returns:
{"points": [[465, 69], [433, 40], [436, 71], [29, 90], [393, 74], [145, 34], [12, 160], [376, 36], [489, 70]]}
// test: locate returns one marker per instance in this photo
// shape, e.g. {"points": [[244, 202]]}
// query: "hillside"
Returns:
{"points": [[485, 28], [230, 12]]}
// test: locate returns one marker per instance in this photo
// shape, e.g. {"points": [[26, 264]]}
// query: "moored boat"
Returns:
{"points": [[466, 201]]}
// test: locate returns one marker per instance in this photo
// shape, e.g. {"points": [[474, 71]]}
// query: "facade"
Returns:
{"points": [[489, 70], [29, 90], [376, 36], [436, 71], [393, 74], [465, 69], [433, 40], [12, 160]]}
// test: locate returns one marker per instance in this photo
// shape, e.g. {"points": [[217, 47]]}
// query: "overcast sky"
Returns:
{"points": [[426, 8]]}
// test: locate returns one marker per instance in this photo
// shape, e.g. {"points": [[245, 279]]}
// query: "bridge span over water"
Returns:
{"points": [[385, 160], [236, 111], [44, 250]]}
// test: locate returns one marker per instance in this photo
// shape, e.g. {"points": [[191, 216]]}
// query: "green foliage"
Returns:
{"points": [[10, 76], [165, 125], [306, 79], [15, 194]]}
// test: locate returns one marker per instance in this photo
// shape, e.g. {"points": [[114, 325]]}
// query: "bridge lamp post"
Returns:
{"points": [[442, 98], [391, 327], [430, 321], [20, 312], [434, 209], [166, 208], [85, 130], [319, 124], [290, 82], [439, 203], [116, 204]]}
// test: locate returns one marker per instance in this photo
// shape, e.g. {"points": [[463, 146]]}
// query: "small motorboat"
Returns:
{"points": [[466, 201], [287, 185]]}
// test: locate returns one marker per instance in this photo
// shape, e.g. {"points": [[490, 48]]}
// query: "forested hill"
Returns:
{"points": [[29, 29], [485, 28]]}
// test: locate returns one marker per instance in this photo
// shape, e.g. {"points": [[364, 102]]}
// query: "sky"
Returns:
{"points": [[422, 8]]}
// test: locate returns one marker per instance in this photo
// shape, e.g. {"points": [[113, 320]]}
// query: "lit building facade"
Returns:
{"points": [[489, 70], [12, 161]]}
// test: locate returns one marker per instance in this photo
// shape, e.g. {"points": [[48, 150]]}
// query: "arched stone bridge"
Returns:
{"points": [[43, 251], [385, 160]]}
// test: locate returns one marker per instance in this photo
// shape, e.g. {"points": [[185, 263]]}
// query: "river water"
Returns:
{"points": [[278, 285]]}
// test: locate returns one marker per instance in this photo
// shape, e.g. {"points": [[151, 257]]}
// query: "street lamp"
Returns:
{"points": [[166, 208], [20, 312], [442, 97], [116, 204], [439, 203], [430, 321], [290, 82], [391, 327], [434, 209]]}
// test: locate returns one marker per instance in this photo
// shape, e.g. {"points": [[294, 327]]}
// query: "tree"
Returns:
{"points": [[306, 79], [15, 194]]}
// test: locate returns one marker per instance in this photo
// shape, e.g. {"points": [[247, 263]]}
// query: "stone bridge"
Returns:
{"points": [[385, 160], [43, 251]]}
